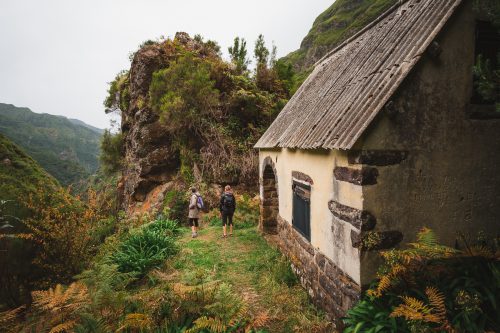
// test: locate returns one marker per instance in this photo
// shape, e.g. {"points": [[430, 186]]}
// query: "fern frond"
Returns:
{"points": [[387, 280], [215, 325], [414, 309], [138, 321], [11, 315], [437, 301], [482, 251], [427, 237], [261, 319], [64, 327]]}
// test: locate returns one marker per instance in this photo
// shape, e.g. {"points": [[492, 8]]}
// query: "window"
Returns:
{"points": [[302, 209], [485, 96]]}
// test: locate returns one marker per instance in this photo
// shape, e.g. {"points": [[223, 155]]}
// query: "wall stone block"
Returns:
{"points": [[360, 219], [363, 176]]}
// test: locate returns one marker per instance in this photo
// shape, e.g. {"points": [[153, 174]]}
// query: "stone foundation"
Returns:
{"points": [[330, 288]]}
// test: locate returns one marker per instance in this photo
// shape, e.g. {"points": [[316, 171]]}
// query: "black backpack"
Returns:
{"points": [[229, 201]]}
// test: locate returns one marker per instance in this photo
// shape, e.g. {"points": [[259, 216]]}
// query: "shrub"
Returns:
{"points": [[61, 228], [143, 250]]}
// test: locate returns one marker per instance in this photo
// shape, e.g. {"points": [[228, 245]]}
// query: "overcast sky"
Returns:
{"points": [[57, 56]]}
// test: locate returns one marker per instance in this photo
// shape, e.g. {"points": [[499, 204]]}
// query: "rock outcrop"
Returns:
{"points": [[151, 161]]}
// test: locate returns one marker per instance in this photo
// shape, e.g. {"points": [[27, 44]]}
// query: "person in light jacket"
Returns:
{"points": [[194, 212]]}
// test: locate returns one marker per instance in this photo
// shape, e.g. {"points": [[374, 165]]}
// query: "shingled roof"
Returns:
{"points": [[351, 84]]}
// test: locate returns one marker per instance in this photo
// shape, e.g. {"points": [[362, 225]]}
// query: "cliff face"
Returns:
{"points": [[340, 21], [150, 158]]}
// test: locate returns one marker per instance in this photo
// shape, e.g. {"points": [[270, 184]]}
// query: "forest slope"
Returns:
{"points": [[67, 150]]}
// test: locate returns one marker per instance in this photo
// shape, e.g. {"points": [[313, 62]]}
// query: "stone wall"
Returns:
{"points": [[329, 287]]}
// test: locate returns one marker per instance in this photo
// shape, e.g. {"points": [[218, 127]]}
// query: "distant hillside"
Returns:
{"points": [[67, 149], [19, 176], [340, 21]]}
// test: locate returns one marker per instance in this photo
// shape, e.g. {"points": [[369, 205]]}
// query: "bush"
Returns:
{"points": [[143, 250], [61, 229]]}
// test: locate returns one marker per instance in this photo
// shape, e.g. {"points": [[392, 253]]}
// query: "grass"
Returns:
{"points": [[255, 270]]}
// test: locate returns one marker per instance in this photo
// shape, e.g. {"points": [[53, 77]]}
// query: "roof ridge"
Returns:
{"points": [[360, 32]]}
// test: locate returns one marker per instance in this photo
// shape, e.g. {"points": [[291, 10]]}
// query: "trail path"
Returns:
{"points": [[255, 270]]}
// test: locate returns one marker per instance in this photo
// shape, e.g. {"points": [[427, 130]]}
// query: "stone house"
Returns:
{"points": [[384, 137]]}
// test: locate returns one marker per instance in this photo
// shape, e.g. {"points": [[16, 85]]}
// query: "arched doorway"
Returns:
{"points": [[270, 204]]}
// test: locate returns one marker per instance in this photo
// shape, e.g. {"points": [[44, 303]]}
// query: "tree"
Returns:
{"points": [[111, 157], [274, 54], [261, 51], [238, 53]]}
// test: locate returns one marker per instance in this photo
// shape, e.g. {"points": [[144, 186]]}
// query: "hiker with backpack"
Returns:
{"points": [[227, 208], [195, 205]]}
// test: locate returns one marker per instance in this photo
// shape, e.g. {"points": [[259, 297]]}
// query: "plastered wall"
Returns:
{"points": [[331, 237]]}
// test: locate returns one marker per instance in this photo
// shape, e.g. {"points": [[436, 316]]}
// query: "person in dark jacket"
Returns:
{"points": [[227, 207]]}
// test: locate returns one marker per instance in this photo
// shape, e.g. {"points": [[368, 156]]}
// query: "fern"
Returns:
{"points": [[139, 321], [90, 324], [416, 310], [64, 327], [59, 307], [214, 325], [8, 319]]}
